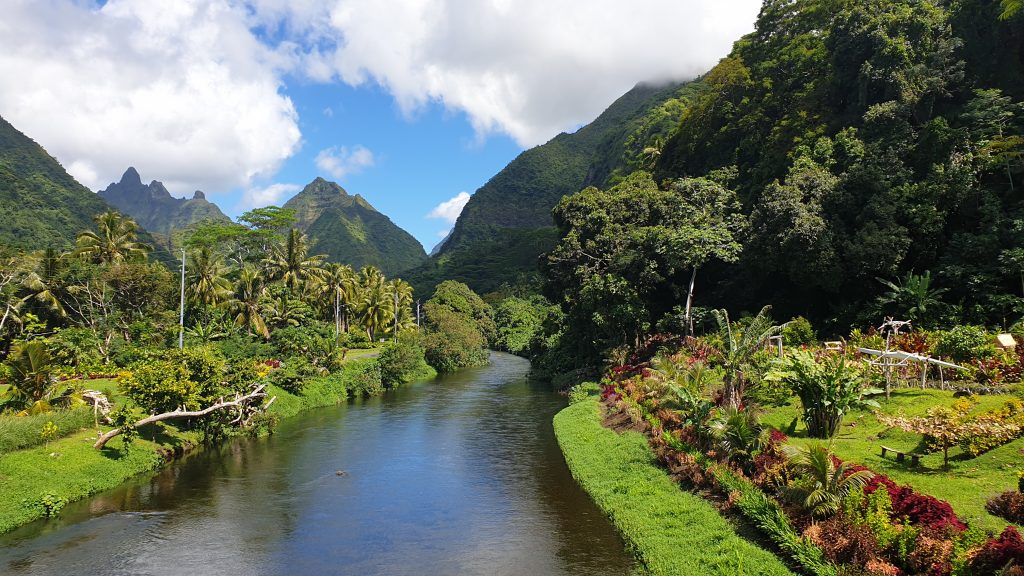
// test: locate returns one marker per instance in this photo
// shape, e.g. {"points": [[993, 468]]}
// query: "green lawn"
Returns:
{"points": [[670, 531], [968, 482]]}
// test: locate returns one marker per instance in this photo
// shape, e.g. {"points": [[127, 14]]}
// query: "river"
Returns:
{"points": [[461, 475]]}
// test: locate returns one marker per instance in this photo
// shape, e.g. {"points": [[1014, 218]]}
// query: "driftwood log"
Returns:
{"points": [[245, 404]]}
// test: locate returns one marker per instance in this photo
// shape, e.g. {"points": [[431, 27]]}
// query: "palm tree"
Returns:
{"points": [[115, 240], [403, 309], [246, 301], [285, 311], [207, 284], [39, 282], [824, 481], [739, 348], [292, 264], [339, 287], [376, 308], [32, 382]]}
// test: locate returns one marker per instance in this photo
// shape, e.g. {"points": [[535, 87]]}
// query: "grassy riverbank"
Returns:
{"points": [[669, 530], [38, 481]]}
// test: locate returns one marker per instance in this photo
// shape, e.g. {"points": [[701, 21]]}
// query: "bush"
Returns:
{"points": [[581, 392], [312, 341], [1008, 505], [19, 432], [964, 343], [363, 377], [76, 347], [241, 346], [401, 361], [293, 373], [996, 554], [827, 389], [798, 331], [159, 386]]}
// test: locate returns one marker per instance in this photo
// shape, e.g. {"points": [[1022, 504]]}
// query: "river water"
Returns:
{"points": [[461, 475]]}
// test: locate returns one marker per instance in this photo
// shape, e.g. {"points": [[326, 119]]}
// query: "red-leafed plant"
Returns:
{"points": [[997, 554]]}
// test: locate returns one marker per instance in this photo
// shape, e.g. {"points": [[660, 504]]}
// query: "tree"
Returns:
{"points": [[207, 285], [376, 308], [292, 264], [115, 240], [740, 346], [246, 302]]}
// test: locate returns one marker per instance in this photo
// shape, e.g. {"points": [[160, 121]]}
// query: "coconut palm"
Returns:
{"points": [[246, 301], [913, 296], [376, 308], [338, 287], [291, 263], [823, 481], [285, 311], [115, 240], [738, 349], [207, 285], [39, 282], [403, 309]]}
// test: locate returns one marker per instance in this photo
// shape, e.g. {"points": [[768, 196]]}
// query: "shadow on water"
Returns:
{"points": [[461, 475]]}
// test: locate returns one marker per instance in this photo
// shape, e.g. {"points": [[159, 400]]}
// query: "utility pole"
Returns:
{"points": [[337, 316], [396, 315], [181, 317], [417, 313]]}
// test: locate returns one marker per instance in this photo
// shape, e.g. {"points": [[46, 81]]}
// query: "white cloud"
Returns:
{"points": [[450, 209], [526, 68], [340, 161], [181, 90], [260, 197]]}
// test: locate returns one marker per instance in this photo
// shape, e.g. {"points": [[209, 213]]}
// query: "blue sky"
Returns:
{"points": [[410, 103], [419, 160]]}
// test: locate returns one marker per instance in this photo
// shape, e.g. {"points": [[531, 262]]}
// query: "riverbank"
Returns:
{"points": [[670, 531], [37, 482]]}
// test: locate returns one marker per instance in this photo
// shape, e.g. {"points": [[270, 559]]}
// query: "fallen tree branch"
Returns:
{"points": [[243, 403]]}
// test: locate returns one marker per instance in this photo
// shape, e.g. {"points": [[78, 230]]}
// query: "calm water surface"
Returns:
{"points": [[457, 476]]}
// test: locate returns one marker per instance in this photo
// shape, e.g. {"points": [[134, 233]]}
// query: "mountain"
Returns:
{"points": [[153, 207], [43, 206], [507, 223], [349, 230]]}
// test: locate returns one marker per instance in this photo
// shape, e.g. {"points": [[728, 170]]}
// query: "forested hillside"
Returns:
{"points": [[43, 206], [507, 223], [868, 140]]}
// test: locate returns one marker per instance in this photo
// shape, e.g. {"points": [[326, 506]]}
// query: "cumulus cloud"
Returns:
{"points": [[450, 209], [182, 90], [340, 161], [273, 194], [526, 68]]}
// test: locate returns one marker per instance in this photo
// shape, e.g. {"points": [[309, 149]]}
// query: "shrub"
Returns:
{"points": [[964, 343], [827, 389], [76, 347], [400, 361], [240, 346], [48, 505], [1008, 505], [160, 386], [363, 378], [581, 392], [18, 432], [922, 510], [293, 373], [452, 343], [798, 331], [996, 554]]}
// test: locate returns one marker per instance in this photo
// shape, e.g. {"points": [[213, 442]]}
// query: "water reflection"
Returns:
{"points": [[458, 476]]}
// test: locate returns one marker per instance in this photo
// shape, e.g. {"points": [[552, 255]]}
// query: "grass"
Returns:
{"points": [[669, 530], [70, 469], [19, 432], [967, 484]]}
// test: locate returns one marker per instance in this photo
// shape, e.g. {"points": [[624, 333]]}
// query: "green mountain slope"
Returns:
{"points": [[42, 205], [507, 223], [349, 230], [153, 207]]}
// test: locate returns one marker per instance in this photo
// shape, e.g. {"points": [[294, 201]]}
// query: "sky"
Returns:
{"points": [[414, 104]]}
